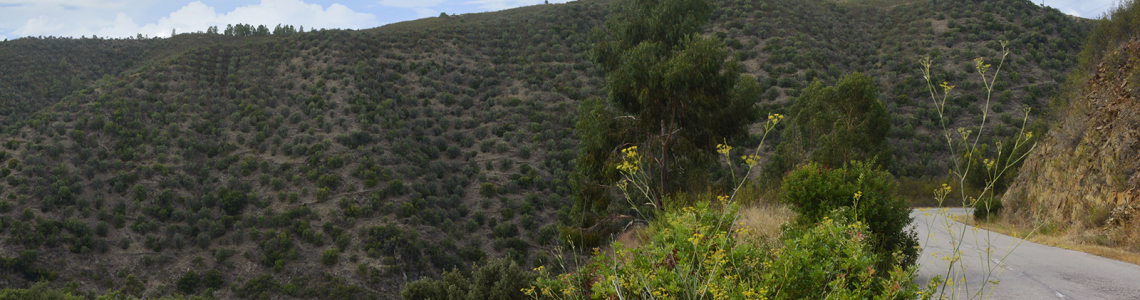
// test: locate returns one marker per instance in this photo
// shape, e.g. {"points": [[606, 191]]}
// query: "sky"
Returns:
{"points": [[150, 18]]}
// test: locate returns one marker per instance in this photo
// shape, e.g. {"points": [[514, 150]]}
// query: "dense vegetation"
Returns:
{"points": [[347, 163]]}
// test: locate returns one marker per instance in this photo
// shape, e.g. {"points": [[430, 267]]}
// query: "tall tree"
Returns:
{"points": [[834, 125], [679, 89]]}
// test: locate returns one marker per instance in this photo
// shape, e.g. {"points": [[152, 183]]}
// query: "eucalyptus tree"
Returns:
{"points": [[834, 125]]}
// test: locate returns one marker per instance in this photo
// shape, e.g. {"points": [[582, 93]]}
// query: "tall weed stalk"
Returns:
{"points": [[963, 142]]}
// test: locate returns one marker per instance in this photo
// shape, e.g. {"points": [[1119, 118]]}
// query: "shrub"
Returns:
{"points": [[835, 259], [38, 291], [213, 279], [487, 189], [323, 194], [505, 230], [987, 208], [188, 283], [330, 257], [101, 228], [232, 201], [813, 191], [546, 234], [498, 279], [696, 252], [24, 264], [257, 286]]}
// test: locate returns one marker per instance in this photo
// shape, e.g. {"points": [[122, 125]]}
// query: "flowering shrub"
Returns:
{"points": [[699, 253], [813, 191], [835, 259]]}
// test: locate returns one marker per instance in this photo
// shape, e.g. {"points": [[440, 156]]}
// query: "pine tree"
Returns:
{"points": [[680, 92]]}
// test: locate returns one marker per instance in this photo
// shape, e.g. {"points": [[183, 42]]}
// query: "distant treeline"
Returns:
{"points": [[259, 30], [231, 30]]}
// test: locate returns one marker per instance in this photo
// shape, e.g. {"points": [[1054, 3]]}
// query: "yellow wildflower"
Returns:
{"points": [[629, 166], [965, 133], [751, 159], [696, 238], [981, 65], [630, 152], [723, 149], [946, 87]]}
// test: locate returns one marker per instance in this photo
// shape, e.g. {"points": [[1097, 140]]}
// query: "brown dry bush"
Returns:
{"points": [[764, 223]]}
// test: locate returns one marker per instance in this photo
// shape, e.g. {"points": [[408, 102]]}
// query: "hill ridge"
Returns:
{"points": [[402, 150]]}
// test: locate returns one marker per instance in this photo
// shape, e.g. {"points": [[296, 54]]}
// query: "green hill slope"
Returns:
{"points": [[348, 162]]}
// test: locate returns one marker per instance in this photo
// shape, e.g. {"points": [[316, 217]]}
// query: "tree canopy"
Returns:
{"points": [[834, 125], [679, 90]]}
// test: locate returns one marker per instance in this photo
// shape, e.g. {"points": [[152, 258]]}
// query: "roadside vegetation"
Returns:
{"points": [[478, 156]]}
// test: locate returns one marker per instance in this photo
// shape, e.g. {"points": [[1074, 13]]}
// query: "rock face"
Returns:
{"points": [[1085, 174]]}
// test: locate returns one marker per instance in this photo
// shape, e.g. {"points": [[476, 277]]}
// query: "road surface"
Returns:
{"points": [[1030, 271]]}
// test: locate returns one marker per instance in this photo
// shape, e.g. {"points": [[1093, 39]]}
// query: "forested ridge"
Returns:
{"points": [[349, 162]]}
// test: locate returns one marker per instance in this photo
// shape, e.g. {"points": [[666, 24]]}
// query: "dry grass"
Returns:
{"points": [[764, 222], [633, 237], [1076, 240]]}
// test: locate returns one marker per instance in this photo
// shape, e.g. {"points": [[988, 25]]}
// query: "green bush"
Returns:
{"points": [[835, 259], [813, 191], [498, 279], [987, 208], [487, 190], [697, 253], [188, 283], [213, 279], [38, 291], [330, 257], [257, 286], [232, 201]]}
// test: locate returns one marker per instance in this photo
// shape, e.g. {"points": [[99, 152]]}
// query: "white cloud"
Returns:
{"points": [[493, 5], [425, 12], [1082, 8], [197, 16], [423, 8], [410, 3], [3, 38], [38, 26], [72, 3], [1073, 12]]}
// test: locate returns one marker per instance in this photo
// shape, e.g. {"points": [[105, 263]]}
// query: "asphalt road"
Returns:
{"points": [[1029, 271]]}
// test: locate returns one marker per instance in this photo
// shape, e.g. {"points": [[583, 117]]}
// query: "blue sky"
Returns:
{"points": [[123, 18]]}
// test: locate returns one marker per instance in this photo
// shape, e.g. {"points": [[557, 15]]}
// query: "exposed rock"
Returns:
{"points": [[1089, 163]]}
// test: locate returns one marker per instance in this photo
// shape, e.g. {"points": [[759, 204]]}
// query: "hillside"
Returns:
{"points": [[41, 71], [1081, 181], [347, 163]]}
